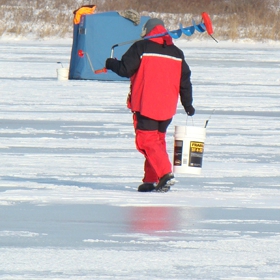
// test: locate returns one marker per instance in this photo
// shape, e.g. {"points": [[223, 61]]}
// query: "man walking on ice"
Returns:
{"points": [[159, 74]]}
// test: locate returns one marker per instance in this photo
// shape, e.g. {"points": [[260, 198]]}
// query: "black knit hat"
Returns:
{"points": [[150, 24]]}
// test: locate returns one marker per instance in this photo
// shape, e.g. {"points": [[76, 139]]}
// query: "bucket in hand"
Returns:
{"points": [[62, 74], [188, 149]]}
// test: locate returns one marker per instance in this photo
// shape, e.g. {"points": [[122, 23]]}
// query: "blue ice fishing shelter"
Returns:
{"points": [[94, 36]]}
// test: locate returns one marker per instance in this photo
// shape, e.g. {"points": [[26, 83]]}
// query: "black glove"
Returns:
{"points": [[190, 110], [109, 63]]}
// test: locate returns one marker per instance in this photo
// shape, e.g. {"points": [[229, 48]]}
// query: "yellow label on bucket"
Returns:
{"points": [[196, 154], [197, 147]]}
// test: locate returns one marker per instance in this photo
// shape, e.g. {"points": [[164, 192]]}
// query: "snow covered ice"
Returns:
{"points": [[69, 172]]}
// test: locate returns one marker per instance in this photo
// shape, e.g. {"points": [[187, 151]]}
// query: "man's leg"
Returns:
{"points": [[149, 143], [150, 175]]}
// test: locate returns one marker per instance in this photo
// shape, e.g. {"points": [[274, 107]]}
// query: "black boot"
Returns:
{"points": [[146, 187], [165, 183]]}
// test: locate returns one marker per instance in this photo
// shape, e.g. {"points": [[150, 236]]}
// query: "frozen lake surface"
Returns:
{"points": [[69, 172]]}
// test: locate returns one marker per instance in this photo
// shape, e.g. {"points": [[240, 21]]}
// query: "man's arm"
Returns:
{"points": [[128, 65]]}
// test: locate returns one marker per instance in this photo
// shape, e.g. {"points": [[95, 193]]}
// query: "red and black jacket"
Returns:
{"points": [[158, 74]]}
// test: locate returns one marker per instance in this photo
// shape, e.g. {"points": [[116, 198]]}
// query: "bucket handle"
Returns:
{"points": [[60, 64], [187, 121], [206, 122]]}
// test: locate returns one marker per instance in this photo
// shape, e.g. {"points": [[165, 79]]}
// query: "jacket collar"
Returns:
{"points": [[159, 29]]}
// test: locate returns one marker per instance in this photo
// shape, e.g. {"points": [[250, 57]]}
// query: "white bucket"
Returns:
{"points": [[188, 149], [62, 74]]}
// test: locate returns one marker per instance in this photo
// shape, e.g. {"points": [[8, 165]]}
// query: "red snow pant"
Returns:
{"points": [[150, 141]]}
